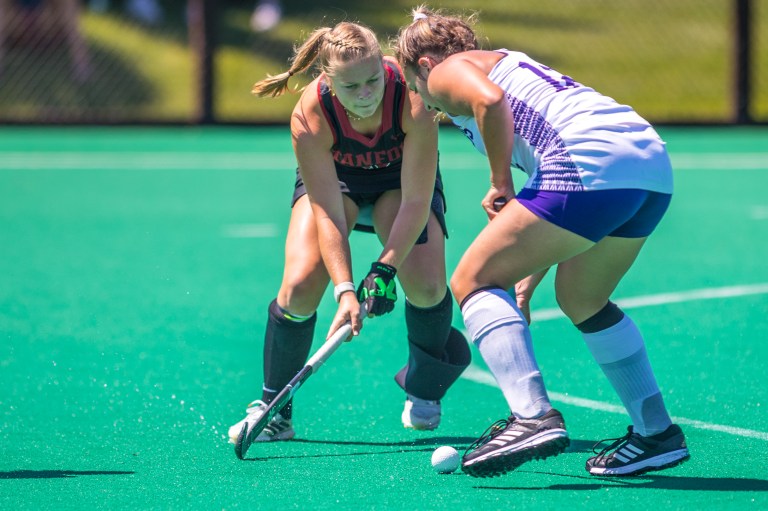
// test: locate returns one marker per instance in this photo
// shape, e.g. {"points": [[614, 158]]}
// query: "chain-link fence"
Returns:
{"points": [[147, 61]]}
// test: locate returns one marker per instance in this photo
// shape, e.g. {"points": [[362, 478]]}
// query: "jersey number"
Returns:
{"points": [[543, 72]]}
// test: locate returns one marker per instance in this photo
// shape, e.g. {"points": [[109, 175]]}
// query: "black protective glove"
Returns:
{"points": [[378, 289]]}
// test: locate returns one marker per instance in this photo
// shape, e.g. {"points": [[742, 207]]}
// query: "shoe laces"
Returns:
{"points": [[490, 433], [614, 445]]}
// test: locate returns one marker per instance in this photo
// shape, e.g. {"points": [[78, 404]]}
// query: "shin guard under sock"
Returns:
{"points": [[500, 332], [618, 347], [428, 328], [286, 347]]}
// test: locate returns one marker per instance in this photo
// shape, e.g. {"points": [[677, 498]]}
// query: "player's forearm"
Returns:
{"points": [[529, 284], [408, 225], [497, 129], [334, 249]]}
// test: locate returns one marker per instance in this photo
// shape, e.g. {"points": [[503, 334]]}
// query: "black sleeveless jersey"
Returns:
{"points": [[368, 164]]}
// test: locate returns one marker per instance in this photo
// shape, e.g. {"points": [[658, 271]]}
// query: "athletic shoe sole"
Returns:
{"points": [[421, 425], [660, 462], [549, 443], [283, 435]]}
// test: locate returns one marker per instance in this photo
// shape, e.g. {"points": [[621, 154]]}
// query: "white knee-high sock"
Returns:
{"points": [[500, 332], [620, 352]]}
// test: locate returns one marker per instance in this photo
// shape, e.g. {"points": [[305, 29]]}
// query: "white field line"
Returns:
{"points": [[160, 160], [477, 375], [170, 160], [759, 213], [250, 231], [665, 298], [474, 373], [709, 161]]}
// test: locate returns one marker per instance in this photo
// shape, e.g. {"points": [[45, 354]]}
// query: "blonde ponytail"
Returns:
{"points": [[304, 56]]}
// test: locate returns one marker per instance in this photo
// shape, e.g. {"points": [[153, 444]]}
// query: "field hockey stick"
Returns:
{"points": [[247, 436]]}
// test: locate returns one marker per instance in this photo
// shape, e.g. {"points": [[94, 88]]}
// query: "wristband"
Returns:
{"points": [[342, 288]]}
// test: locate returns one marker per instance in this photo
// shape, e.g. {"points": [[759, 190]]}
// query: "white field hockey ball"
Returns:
{"points": [[445, 460]]}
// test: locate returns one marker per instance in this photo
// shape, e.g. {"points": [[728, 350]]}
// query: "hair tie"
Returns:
{"points": [[419, 16], [290, 73]]}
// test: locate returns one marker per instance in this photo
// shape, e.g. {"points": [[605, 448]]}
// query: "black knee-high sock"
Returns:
{"points": [[437, 353], [286, 348], [429, 328]]}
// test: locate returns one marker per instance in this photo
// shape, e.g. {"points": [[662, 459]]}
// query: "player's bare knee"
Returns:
{"points": [[579, 308], [301, 296], [427, 294]]}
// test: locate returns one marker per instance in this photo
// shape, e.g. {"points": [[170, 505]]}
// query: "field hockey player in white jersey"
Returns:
{"points": [[599, 182]]}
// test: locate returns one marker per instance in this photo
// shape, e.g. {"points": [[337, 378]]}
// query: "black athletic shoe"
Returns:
{"points": [[633, 454], [509, 443]]}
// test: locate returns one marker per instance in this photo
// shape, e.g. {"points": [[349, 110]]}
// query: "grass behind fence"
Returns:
{"points": [[670, 60]]}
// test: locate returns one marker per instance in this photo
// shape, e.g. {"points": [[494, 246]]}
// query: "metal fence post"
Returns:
{"points": [[742, 71], [202, 38]]}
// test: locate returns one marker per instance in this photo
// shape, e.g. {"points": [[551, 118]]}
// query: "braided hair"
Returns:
{"points": [[330, 47]]}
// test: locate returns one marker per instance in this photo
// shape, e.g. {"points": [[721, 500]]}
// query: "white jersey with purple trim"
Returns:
{"points": [[568, 137]]}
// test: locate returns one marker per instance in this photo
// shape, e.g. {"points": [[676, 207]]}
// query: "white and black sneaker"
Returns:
{"points": [[279, 428], [508, 443], [421, 414], [634, 454]]}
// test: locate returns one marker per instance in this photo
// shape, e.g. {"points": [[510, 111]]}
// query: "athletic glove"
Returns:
{"points": [[378, 289]]}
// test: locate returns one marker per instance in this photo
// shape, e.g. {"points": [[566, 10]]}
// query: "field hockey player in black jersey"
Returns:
{"points": [[367, 160]]}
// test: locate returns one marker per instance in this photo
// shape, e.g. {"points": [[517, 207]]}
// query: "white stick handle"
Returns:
{"points": [[333, 342]]}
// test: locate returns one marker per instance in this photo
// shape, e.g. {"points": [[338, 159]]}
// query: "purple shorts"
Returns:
{"points": [[624, 213]]}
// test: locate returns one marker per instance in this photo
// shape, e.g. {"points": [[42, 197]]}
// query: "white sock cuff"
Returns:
{"points": [[615, 343], [489, 309]]}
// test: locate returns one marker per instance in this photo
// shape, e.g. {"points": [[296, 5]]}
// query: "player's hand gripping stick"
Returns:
{"points": [[378, 290]]}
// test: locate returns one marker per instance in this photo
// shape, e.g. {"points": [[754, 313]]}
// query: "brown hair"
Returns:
{"points": [[343, 43], [436, 34]]}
